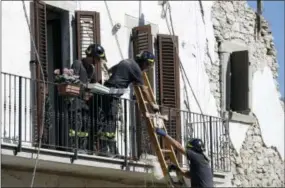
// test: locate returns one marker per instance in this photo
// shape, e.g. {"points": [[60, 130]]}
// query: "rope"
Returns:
{"points": [[181, 65], [44, 91], [112, 26]]}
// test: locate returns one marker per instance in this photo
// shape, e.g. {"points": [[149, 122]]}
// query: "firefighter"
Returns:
{"points": [[131, 71], [123, 74], [85, 69], [200, 171]]}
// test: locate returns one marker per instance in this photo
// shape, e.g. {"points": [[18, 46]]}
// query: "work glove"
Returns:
{"points": [[160, 132], [155, 107], [172, 167]]}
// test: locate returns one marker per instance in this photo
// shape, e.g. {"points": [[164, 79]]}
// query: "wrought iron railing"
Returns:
{"points": [[86, 123]]}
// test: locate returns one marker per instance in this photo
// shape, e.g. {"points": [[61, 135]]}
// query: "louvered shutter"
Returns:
{"points": [[40, 31], [239, 81], [142, 40], [168, 83], [88, 32]]}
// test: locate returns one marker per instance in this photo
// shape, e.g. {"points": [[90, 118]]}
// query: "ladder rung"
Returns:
{"points": [[149, 115], [166, 150]]}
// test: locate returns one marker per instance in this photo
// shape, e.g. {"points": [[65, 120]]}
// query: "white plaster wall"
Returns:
{"points": [[268, 110], [237, 134], [15, 60], [15, 39]]}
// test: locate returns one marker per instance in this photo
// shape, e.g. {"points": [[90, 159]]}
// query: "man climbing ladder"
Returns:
{"points": [[151, 117], [200, 172]]}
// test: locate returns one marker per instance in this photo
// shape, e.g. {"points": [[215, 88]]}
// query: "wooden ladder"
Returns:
{"points": [[149, 116]]}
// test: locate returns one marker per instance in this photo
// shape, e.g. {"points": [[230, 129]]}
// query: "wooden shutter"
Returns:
{"points": [[239, 81], [168, 82], [142, 40], [40, 32], [88, 32]]}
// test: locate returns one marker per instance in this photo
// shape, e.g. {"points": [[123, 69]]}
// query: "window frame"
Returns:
{"points": [[225, 51]]}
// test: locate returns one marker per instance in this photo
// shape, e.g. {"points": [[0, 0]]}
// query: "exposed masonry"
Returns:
{"points": [[256, 165], [235, 21]]}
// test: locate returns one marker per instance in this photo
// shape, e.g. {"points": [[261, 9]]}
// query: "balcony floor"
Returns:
{"points": [[57, 162]]}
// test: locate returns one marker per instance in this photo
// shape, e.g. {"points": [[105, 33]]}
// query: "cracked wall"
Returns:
{"points": [[235, 21], [254, 164], [257, 165]]}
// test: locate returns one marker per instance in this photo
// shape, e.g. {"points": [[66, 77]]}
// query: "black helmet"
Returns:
{"points": [[145, 56], [96, 50], [196, 144]]}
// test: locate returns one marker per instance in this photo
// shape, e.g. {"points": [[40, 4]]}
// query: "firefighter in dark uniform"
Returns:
{"points": [[200, 171], [123, 74], [85, 68]]}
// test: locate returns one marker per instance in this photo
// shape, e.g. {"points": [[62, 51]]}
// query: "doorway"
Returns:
{"points": [[56, 20]]}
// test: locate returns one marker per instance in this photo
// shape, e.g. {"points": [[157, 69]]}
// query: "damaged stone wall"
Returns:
{"points": [[257, 165], [236, 21]]}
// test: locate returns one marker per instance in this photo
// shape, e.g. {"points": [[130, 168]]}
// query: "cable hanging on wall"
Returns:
{"points": [[171, 31], [112, 26], [120, 50], [44, 91]]}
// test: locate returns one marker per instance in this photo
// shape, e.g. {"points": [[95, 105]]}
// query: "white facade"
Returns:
{"points": [[193, 36]]}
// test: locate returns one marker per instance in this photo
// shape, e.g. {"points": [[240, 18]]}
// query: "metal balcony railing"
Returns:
{"points": [[97, 124]]}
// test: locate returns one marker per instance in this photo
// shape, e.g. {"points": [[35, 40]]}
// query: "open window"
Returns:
{"points": [[51, 28], [238, 83]]}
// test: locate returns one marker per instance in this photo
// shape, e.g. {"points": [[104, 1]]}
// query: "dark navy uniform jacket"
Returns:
{"points": [[200, 170]]}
